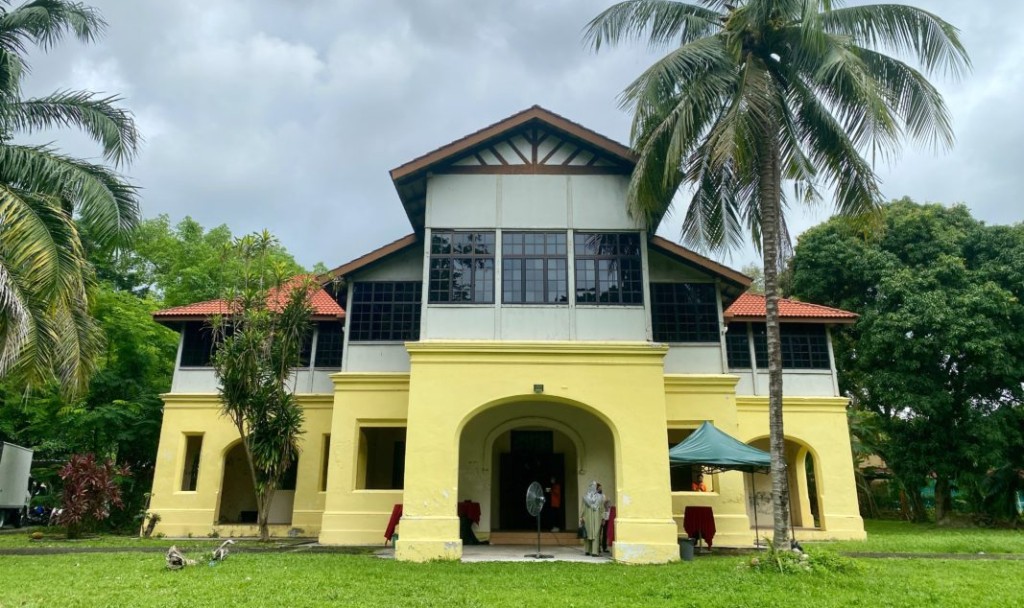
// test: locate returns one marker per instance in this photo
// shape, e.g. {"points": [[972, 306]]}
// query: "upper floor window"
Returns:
{"points": [[534, 268], [737, 346], [684, 312], [386, 311], [197, 345], [804, 346], [330, 339], [461, 267], [609, 269]]}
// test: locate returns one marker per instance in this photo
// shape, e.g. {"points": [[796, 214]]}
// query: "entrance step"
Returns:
{"points": [[547, 539]]}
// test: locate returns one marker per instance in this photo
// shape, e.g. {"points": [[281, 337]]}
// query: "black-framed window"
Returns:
{"points": [[461, 267], [684, 312], [330, 340], [387, 311], [534, 268], [803, 345], [737, 346], [609, 270], [197, 348]]}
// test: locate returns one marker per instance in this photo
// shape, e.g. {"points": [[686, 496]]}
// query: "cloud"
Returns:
{"points": [[289, 115]]}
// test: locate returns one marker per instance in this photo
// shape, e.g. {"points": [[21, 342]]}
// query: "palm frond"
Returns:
{"points": [[662, 22], [47, 22], [903, 29], [106, 204], [110, 126]]}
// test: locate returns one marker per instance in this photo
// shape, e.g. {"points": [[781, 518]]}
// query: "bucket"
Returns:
{"points": [[686, 549]]}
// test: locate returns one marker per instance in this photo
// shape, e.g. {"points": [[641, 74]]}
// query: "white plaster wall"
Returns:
{"points": [[599, 202], [694, 359], [404, 266], [797, 383], [204, 380], [745, 386], [585, 202], [459, 323], [462, 201], [535, 322], [664, 269], [377, 357], [477, 467], [534, 201], [194, 380], [611, 323]]}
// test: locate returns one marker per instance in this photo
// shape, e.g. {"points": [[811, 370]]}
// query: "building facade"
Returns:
{"points": [[527, 330]]}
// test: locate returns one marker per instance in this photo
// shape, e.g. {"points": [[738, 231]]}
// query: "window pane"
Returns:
{"points": [[609, 269], [684, 312], [463, 272], [534, 273], [385, 311]]}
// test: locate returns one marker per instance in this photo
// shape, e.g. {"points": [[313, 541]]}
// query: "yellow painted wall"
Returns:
{"points": [[819, 425], [610, 404], [619, 383], [195, 513]]}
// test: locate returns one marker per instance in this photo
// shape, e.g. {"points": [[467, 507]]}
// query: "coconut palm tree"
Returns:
{"points": [[755, 94], [47, 199]]}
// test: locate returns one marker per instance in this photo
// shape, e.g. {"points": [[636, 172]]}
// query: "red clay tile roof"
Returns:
{"points": [[750, 306], [324, 306]]}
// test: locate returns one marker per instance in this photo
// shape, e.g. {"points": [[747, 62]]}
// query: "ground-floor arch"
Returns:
{"points": [[237, 503], [504, 448], [804, 487]]}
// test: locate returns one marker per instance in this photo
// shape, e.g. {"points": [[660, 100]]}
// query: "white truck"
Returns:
{"points": [[15, 466]]}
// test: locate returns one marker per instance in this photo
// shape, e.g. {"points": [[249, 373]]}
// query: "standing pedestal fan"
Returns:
{"points": [[534, 505]]}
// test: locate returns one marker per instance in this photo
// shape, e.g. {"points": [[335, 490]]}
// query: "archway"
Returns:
{"points": [[502, 449], [805, 491], [238, 497]]}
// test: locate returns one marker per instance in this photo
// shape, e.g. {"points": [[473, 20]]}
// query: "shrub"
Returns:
{"points": [[90, 490], [796, 561]]}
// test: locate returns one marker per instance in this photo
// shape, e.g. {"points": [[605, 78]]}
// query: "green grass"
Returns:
{"points": [[54, 538], [134, 579], [903, 537]]}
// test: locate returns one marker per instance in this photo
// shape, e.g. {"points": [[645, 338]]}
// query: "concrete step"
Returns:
{"points": [[547, 539]]}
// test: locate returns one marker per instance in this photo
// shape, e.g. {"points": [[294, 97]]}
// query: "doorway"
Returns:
{"points": [[532, 458]]}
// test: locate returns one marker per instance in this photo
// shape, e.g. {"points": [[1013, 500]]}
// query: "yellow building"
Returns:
{"points": [[527, 330]]}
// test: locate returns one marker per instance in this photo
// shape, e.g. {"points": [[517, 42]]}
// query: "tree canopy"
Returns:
{"points": [[937, 356]]}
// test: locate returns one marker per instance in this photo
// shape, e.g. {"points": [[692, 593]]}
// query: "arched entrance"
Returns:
{"points": [[238, 497], [505, 448], [805, 496]]}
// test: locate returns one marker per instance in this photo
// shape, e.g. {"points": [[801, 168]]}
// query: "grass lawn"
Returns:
{"points": [[904, 537], [315, 579], [139, 579]]}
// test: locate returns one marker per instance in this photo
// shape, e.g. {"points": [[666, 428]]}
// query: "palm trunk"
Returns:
{"points": [[262, 503], [770, 194]]}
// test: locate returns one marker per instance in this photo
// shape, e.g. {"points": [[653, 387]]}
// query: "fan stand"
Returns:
{"points": [[538, 554]]}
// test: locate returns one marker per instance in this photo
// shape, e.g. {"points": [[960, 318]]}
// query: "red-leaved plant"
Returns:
{"points": [[90, 490]]}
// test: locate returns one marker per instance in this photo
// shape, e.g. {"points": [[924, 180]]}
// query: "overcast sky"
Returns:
{"points": [[288, 115]]}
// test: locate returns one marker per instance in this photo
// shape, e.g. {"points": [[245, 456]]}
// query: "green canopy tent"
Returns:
{"points": [[715, 451]]}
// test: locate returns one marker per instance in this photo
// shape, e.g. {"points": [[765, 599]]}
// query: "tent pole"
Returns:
{"points": [[753, 501]]}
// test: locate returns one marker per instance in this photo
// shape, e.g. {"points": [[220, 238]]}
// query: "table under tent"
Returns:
{"points": [[715, 451]]}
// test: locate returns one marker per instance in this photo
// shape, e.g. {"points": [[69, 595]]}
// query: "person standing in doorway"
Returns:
{"points": [[555, 502], [698, 486], [592, 518]]}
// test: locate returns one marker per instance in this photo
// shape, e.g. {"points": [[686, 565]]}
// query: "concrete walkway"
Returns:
{"points": [[518, 553]]}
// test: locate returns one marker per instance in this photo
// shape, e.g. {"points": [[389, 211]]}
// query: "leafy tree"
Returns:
{"points": [[756, 273], [260, 342], [183, 263], [45, 280], [755, 92], [936, 357]]}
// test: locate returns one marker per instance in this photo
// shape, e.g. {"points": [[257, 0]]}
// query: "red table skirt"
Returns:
{"points": [[699, 522], [466, 508]]}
